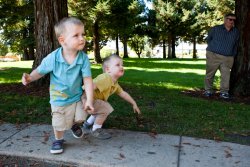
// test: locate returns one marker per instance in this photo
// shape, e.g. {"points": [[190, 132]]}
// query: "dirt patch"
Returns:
{"points": [[29, 90], [199, 93]]}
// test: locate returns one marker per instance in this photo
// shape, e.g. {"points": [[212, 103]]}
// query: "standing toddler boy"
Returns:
{"points": [[69, 68]]}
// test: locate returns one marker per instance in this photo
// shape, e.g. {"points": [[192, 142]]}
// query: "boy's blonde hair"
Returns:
{"points": [[61, 25], [106, 61]]}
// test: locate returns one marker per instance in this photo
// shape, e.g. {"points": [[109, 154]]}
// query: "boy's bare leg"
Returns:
{"points": [[100, 119], [58, 134]]}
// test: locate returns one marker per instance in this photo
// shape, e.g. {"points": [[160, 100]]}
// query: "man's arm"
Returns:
{"points": [[210, 35]]}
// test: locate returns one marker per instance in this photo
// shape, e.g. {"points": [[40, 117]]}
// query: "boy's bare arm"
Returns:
{"points": [[33, 76], [129, 99], [89, 89]]}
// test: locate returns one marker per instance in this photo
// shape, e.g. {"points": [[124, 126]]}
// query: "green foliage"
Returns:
{"points": [[137, 43], [3, 49], [91, 12], [173, 19], [17, 24], [219, 8], [126, 16], [194, 16]]}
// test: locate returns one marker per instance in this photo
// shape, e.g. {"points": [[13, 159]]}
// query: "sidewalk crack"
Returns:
{"points": [[179, 152], [14, 134]]}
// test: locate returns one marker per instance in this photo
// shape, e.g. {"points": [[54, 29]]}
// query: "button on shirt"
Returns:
{"points": [[222, 41], [65, 79]]}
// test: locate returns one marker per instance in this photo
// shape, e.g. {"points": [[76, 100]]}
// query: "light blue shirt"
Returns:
{"points": [[66, 80]]}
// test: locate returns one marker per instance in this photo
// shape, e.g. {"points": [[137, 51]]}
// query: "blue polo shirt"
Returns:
{"points": [[66, 80], [223, 42]]}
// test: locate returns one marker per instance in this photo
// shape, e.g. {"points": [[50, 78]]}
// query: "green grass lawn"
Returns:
{"points": [[157, 87]]}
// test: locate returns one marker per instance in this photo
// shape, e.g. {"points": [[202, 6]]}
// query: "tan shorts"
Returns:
{"points": [[101, 108], [64, 117]]}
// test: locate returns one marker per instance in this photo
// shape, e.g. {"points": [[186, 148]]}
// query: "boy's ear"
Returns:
{"points": [[106, 69], [60, 39]]}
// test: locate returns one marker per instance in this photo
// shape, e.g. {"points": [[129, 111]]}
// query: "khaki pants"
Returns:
{"points": [[213, 63]]}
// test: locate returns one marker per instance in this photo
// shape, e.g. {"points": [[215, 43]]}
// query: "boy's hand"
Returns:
{"points": [[88, 108], [26, 79], [136, 109]]}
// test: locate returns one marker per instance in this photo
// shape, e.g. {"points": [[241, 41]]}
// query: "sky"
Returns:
{"points": [[148, 4]]}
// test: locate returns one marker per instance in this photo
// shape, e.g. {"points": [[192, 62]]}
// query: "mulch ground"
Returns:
{"points": [[30, 90], [199, 93]]}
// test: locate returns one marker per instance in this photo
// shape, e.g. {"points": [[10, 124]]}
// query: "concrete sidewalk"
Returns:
{"points": [[124, 149]]}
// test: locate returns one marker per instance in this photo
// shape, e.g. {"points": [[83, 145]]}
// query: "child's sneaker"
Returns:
{"points": [[86, 128], [57, 147], [77, 131], [100, 134]]}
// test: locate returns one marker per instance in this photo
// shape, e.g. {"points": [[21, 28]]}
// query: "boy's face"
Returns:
{"points": [[115, 67], [73, 37]]}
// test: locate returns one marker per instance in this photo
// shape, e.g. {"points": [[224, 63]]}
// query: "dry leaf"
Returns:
{"points": [[46, 136], [121, 155]]}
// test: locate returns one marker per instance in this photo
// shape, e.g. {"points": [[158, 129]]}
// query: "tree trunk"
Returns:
{"points": [[240, 76], [47, 13], [117, 44], [173, 47], [25, 54], [169, 48], [25, 49], [96, 39], [31, 36], [31, 52], [138, 54], [164, 49], [194, 48], [125, 47]]}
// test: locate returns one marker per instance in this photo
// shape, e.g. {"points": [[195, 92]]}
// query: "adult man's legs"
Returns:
{"points": [[225, 70], [212, 64]]}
